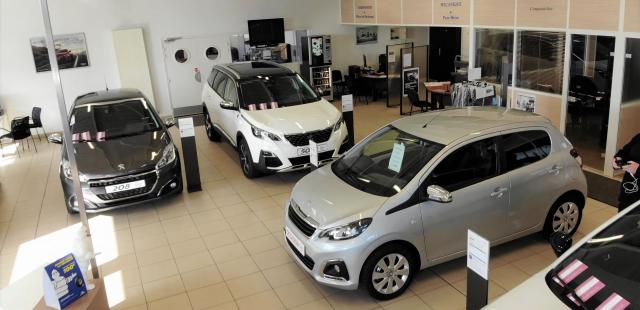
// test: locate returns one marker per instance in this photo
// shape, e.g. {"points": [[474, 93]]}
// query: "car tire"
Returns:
{"points": [[564, 216], [246, 162], [389, 258], [212, 134]]}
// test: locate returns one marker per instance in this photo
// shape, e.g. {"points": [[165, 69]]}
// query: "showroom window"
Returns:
{"points": [[492, 46], [524, 148], [540, 61], [466, 166]]}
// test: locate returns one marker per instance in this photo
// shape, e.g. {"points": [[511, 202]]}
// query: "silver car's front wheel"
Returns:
{"points": [[391, 273], [566, 217]]}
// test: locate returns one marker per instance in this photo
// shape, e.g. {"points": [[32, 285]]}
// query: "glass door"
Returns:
{"points": [[630, 105], [589, 96]]}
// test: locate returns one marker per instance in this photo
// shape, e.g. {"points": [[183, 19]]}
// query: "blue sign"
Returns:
{"points": [[66, 281]]}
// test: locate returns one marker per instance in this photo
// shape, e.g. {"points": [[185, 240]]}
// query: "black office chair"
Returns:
{"points": [[36, 122], [357, 85], [20, 130], [414, 98], [338, 82]]}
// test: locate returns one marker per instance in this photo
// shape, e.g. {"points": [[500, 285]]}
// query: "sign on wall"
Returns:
{"points": [[451, 12], [526, 102], [542, 13], [365, 11], [71, 52], [410, 79]]}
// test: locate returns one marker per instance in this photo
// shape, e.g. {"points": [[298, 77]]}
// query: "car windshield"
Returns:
{"points": [[105, 121], [604, 272], [384, 163], [266, 92]]}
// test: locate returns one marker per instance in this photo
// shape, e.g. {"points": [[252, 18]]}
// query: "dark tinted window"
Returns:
{"points": [[286, 90], [211, 78], [466, 166], [220, 77], [222, 85], [524, 148]]}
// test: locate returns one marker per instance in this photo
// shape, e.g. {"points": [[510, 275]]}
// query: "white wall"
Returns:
{"points": [[21, 87]]}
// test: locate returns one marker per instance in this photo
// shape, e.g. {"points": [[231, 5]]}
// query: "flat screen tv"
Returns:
{"points": [[266, 32]]}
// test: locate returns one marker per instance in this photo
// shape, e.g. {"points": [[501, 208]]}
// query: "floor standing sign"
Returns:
{"points": [[347, 116], [189, 153], [477, 270]]}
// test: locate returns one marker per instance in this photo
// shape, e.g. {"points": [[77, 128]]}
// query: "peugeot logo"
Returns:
{"points": [[121, 167]]}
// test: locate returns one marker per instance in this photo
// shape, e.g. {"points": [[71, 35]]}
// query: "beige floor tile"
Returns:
{"points": [[284, 274], [320, 304], [220, 239], [445, 297], [265, 301], [452, 271], [148, 243], [237, 268], [425, 281], [248, 285], [210, 296], [411, 303], [158, 271], [129, 276], [234, 210], [495, 290], [243, 220], [209, 228], [127, 297], [185, 234], [298, 293], [271, 258], [171, 303], [163, 288], [188, 247], [228, 306], [229, 252], [202, 277], [508, 276], [356, 300], [261, 244], [148, 257], [253, 231], [194, 261]]}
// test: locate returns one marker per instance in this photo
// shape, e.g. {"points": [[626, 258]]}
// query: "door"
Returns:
{"points": [[480, 199], [444, 45], [188, 62], [534, 175], [133, 66]]}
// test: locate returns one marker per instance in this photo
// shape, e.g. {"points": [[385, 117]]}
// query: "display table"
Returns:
{"points": [[440, 93]]}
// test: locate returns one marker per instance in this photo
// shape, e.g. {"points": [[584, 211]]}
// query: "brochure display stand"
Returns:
{"points": [[189, 154]]}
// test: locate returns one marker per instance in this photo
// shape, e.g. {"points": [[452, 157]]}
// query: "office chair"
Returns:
{"points": [[36, 122], [338, 82], [20, 130], [414, 98]]}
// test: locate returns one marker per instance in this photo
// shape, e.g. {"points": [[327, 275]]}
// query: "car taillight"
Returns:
{"points": [[574, 153]]}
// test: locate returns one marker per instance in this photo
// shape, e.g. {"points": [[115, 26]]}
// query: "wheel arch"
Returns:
{"points": [[403, 243]]}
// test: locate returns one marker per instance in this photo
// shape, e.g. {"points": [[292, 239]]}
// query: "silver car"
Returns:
{"points": [[403, 199]]}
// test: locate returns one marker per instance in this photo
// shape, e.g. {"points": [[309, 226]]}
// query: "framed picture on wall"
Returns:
{"points": [[367, 35], [526, 102], [410, 80], [71, 52], [398, 33]]}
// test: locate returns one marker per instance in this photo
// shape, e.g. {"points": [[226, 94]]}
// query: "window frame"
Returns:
{"points": [[212, 77]]}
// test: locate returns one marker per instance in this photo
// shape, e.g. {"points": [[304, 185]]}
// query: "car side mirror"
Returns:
{"points": [[438, 194], [170, 122], [55, 138], [560, 243], [227, 105]]}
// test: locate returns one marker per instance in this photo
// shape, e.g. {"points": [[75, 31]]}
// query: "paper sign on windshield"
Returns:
{"points": [[397, 155]]}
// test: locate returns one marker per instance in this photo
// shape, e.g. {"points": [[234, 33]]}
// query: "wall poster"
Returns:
{"points": [[71, 52], [526, 102], [410, 80], [367, 35]]}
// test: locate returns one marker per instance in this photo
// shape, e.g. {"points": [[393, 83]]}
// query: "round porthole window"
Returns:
{"points": [[211, 53], [181, 56]]}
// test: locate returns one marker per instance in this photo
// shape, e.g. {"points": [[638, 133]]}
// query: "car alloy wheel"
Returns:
{"points": [[244, 158], [566, 218], [390, 273]]}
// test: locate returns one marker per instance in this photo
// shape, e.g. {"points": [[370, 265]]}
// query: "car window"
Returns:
{"points": [[212, 77], [230, 92], [524, 148], [466, 166], [222, 85], [283, 90], [220, 77]]}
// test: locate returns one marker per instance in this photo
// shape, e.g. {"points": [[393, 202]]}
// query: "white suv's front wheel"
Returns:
{"points": [[246, 162]]}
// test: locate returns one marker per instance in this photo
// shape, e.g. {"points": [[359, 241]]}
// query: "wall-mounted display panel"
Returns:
{"points": [[365, 12], [632, 16], [594, 14], [494, 12], [417, 12], [542, 13], [451, 12], [389, 12], [346, 11]]}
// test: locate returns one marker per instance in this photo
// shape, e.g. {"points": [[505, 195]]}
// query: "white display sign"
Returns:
{"points": [[186, 127], [478, 254], [406, 60], [526, 102], [475, 74], [397, 156], [347, 103], [313, 153]]}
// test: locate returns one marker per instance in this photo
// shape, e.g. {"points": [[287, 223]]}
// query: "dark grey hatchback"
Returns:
{"points": [[125, 155]]}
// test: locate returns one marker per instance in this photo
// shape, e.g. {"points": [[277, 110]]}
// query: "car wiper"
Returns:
{"points": [[131, 134]]}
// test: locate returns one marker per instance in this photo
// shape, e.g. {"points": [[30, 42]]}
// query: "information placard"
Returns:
{"points": [[186, 127], [313, 153], [478, 254], [63, 282], [347, 103]]}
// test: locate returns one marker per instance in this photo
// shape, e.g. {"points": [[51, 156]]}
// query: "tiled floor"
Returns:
{"points": [[221, 248]]}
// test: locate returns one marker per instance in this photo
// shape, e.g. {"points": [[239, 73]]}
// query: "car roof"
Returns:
{"points": [[446, 126], [250, 69], [108, 95]]}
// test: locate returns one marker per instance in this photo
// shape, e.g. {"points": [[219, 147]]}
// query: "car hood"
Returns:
{"points": [[330, 201], [120, 156], [295, 119], [531, 294]]}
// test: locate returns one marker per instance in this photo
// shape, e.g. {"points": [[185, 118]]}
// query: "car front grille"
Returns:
{"points": [[302, 139], [295, 161], [306, 260], [302, 225], [97, 186]]}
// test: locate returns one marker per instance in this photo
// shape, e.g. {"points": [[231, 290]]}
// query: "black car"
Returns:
{"points": [[124, 153]]}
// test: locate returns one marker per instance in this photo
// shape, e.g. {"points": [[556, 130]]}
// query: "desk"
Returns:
{"points": [[373, 80], [439, 93]]}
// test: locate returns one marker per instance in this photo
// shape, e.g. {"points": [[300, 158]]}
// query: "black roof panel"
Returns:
{"points": [[250, 69], [108, 95]]}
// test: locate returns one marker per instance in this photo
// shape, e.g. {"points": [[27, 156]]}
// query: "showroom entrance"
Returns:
{"points": [[188, 61]]}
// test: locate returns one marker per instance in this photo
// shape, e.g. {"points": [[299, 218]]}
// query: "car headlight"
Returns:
{"points": [[168, 156], [259, 133], [338, 124], [348, 231], [66, 170]]}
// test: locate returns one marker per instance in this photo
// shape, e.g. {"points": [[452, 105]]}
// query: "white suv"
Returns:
{"points": [[269, 113]]}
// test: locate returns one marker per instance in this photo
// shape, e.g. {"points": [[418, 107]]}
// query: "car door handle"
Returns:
{"points": [[499, 192], [555, 169]]}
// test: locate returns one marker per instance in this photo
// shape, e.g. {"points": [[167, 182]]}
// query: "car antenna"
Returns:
{"points": [[106, 86], [431, 120]]}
